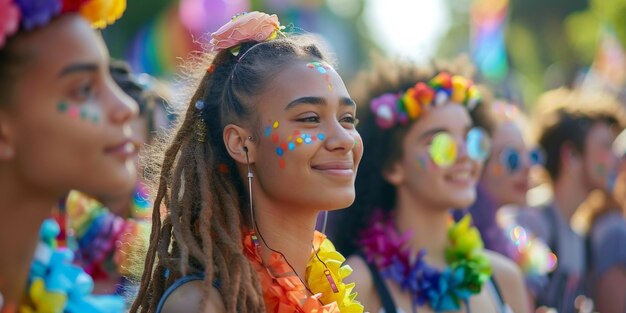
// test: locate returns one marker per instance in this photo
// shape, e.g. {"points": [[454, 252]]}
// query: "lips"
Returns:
{"points": [[340, 168], [125, 149]]}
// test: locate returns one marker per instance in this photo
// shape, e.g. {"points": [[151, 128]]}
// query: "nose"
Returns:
{"points": [[338, 138], [123, 107]]}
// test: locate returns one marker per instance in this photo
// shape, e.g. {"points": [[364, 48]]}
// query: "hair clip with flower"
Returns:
{"points": [[392, 109], [28, 14], [245, 27]]}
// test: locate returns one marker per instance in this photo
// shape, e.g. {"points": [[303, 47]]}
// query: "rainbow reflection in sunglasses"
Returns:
{"points": [[444, 148]]}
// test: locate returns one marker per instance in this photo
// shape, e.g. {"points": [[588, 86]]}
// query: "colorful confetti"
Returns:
{"points": [[86, 112], [323, 69]]}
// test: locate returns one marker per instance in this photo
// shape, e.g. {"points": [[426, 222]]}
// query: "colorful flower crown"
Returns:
{"points": [[244, 27], [28, 14], [398, 108]]}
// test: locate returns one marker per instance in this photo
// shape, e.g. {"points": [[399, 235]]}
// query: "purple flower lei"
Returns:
{"points": [[443, 290]]}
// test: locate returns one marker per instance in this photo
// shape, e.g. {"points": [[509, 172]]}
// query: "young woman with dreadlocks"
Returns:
{"points": [[430, 133], [267, 142]]}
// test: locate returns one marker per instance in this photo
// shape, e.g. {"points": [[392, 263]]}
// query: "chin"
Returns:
{"points": [[339, 199], [463, 200]]}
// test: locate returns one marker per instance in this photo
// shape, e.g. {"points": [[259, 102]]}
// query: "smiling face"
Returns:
{"points": [[416, 173], [506, 173], [67, 123], [308, 149]]}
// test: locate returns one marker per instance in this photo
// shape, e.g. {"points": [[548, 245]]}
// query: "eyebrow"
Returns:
{"points": [[344, 101], [441, 129], [77, 68], [432, 132]]}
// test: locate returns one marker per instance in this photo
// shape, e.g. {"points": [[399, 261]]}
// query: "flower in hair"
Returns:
{"points": [[72, 5], [101, 13], [37, 13], [9, 19], [251, 26], [28, 14], [391, 109]]}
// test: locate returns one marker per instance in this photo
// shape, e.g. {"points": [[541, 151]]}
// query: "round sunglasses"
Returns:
{"points": [[444, 148], [511, 159]]}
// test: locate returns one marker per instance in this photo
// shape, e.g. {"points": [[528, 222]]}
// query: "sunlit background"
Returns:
{"points": [[520, 47]]}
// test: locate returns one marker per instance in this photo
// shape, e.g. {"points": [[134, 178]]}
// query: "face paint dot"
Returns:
{"points": [[283, 146], [281, 163], [62, 106], [296, 133], [268, 131], [321, 136], [289, 138], [291, 146], [299, 140], [308, 140], [279, 151], [321, 70], [73, 111], [275, 138], [275, 125]]}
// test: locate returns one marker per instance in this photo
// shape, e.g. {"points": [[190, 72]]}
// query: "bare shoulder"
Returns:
{"points": [[364, 284], [188, 298], [510, 281]]}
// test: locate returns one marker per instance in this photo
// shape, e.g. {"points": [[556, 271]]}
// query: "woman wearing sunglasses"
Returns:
{"points": [[425, 155], [505, 182]]}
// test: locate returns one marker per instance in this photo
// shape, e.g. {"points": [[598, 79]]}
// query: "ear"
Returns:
{"points": [[237, 140], [7, 146], [394, 174], [569, 156]]}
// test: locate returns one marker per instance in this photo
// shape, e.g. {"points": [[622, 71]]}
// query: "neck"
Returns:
{"points": [[23, 211], [285, 229], [569, 193], [428, 224]]}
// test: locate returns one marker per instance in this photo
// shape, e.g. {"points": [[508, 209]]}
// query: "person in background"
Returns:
{"points": [[103, 241], [576, 130], [602, 218], [61, 116], [427, 131]]}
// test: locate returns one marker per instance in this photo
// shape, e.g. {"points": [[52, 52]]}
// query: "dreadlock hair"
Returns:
{"points": [[372, 190], [200, 184]]}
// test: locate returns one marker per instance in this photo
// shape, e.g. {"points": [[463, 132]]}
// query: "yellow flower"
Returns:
{"points": [[316, 273], [43, 301], [102, 13], [459, 88], [410, 103]]}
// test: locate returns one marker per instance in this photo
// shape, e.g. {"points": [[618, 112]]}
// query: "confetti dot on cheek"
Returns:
{"points": [[321, 136], [291, 146], [73, 111], [299, 140], [275, 138], [268, 131], [281, 163], [275, 125], [279, 151]]}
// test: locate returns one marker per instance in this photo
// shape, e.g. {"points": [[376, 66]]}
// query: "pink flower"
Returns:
{"points": [[252, 26], [9, 20], [385, 108]]}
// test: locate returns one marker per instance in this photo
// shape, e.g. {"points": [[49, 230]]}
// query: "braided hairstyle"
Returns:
{"points": [[372, 190], [200, 184]]}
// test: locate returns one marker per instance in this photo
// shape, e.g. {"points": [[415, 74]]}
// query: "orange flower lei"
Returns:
{"points": [[285, 293]]}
